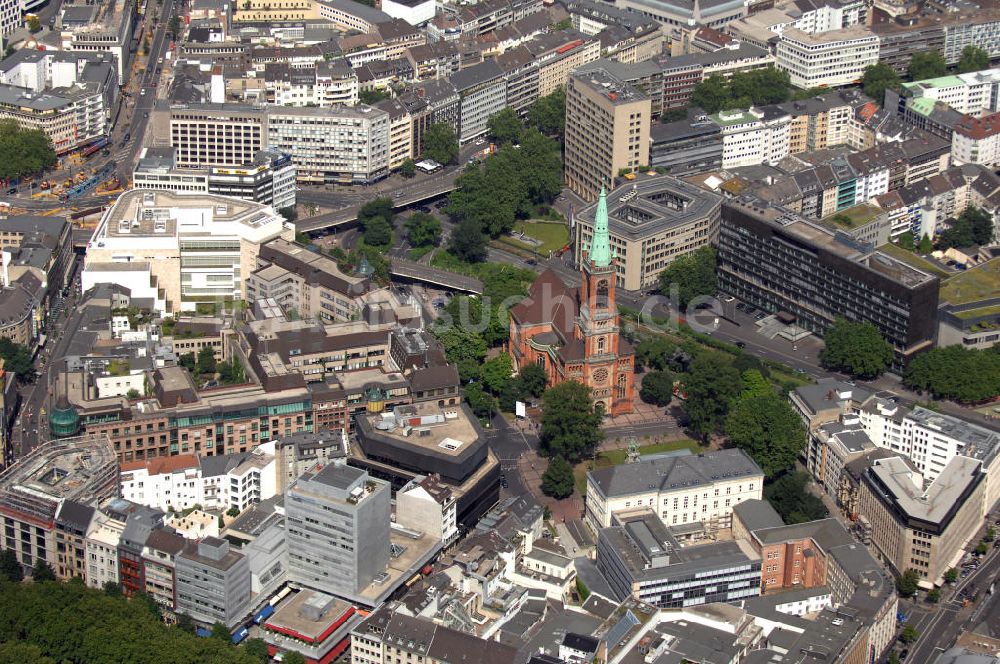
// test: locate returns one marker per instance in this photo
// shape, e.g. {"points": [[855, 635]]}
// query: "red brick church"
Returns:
{"points": [[575, 335]]}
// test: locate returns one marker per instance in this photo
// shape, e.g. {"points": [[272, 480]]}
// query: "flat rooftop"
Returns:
{"points": [[979, 283], [655, 204], [445, 430], [855, 32], [607, 84], [165, 214], [936, 503], [409, 554], [295, 617], [839, 244], [852, 218], [978, 442]]}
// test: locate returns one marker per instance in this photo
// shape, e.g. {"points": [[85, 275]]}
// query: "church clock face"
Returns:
{"points": [[601, 376]]}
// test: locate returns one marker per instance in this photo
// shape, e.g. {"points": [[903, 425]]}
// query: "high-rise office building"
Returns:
{"points": [[338, 521], [607, 131], [778, 261]]}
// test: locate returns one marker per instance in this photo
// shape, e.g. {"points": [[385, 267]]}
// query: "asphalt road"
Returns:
{"points": [[508, 444], [125, 156], [129, 118], [939, 629], [31, 426]]}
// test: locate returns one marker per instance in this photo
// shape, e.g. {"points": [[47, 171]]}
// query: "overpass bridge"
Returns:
{"points": [[400, 198], [405, 269]]}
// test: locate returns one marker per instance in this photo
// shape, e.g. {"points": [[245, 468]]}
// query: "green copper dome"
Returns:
{"points": [[600, 245], [64, 420], [364, 268]]}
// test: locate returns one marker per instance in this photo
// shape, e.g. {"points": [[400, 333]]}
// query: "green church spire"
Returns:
{"points": [[600, 245]]}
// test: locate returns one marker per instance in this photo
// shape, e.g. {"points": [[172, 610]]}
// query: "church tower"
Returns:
{"points": [[598, 325]]}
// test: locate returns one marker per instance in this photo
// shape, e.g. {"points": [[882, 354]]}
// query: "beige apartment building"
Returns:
{"points": [[917, 527], [557, 54], [265, 11], [607, 130], [651, 222]]}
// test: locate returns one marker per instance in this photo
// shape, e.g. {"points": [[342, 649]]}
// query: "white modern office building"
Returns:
{"points": [[180, 248]]}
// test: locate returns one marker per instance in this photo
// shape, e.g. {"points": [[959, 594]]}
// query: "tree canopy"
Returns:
{"points": [[655, 353], [973, 226], [10, 568], [657, 388], [533, 380], [373, 96], [754, 384], [927, 64], [969, 375], [468, 242], [973, 59], [496, 373], [16, 357], [791, 499], [711, 385], [548, 114], [570, 423], [378, 232], [505, 127], [878, 78], [742, 90], [25, 151], [440, 144], [907, 583], [422, 229], [42, 571], [558, 478], [767, 428], [463, 349], [69, 622], [856, 348], [694, 274], [508, 185]]}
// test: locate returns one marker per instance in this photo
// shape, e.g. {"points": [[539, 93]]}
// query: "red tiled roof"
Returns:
{"points": [[978, 128], [549, 301]]}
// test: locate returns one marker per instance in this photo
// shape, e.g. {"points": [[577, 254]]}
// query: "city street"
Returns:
{"points": [[129, 122], [941, 625], [31, 426]]}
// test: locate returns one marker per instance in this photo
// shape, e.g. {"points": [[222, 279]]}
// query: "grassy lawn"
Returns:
{"points": [[418, 252], [976, 313], [617, 457], [913, 259], [853, 217], [782, 377], [552, 234], [981, 282]]}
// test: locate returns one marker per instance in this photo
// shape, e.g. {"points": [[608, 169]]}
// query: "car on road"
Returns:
{"points": [[142, 93], [12, 191], [741, 344]]}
